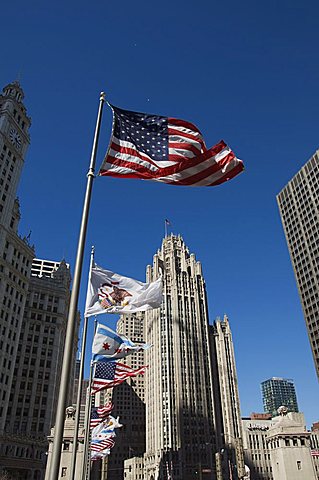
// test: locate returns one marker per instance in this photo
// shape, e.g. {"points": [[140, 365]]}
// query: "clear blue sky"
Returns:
{"points": [[246, 72]]}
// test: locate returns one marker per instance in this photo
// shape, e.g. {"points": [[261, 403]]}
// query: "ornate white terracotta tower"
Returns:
{"points": [[180, 439], [15, 253]]}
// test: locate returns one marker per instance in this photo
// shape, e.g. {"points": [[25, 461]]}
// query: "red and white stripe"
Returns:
{"points": [[189, 162], [102, 445], [122, 372], [105, 410], [315, 453], [100, 455]]}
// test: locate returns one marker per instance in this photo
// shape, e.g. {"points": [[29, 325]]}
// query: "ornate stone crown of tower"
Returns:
{"points": [[14, 141]]}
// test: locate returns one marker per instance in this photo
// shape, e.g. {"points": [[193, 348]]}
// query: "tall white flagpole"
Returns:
{"points": [[69, 339], [79, 393]]}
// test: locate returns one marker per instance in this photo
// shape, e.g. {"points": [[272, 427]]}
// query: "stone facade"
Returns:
{"points": [[15, 253], [256, 452], [180, 430], [226, 397], [36, 374], [34, 302], [67, 447], [129, 403], [280, 448], [289, 446]]}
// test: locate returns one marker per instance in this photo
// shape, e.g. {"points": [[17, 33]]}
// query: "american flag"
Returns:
{"points": [[152, 147], [108, 374], [315, 453], [99, 445], [98, 414], [100, 455]]}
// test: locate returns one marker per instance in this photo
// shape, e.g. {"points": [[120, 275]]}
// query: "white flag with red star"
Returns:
{"points": [[109, 344]]}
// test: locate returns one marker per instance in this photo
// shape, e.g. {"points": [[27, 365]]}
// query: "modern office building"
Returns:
{"points": [[180, 430], [15, 252], [276, 392], [298, 204], [36, 373]]}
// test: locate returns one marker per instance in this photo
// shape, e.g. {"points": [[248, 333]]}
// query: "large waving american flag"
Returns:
{"points": [[152, 147]]}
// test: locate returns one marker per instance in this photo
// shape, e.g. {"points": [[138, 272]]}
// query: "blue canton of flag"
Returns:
{"points": [[99, 414], [169, 150], [148, 132]]}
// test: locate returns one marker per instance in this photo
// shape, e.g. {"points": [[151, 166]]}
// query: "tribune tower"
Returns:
{"points": [[180, 438]]}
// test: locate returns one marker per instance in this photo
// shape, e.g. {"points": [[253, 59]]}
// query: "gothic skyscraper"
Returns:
{"points": [[180, 433]]}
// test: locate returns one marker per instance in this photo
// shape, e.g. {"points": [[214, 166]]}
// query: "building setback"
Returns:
{"points": [[276, 392], [298, 204]]}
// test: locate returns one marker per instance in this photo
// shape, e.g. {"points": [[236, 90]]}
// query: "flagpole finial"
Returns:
{"points": [[102, 96]]}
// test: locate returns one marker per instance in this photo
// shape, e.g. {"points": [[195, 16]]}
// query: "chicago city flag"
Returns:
{"points": [[109, 292], [152, 147], [109, 344]]}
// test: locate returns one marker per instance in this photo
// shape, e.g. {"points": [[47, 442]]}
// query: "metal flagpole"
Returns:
{"points": [[79, 394], [69, 339], [86, 450]]}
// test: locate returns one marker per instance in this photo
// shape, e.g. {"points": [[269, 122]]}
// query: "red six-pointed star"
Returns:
{"points": [[106, 346]]}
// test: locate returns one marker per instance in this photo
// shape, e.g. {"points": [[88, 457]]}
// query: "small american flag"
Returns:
{"points": [[98, 414], [152, 147], [108, 374], [315, 453], [99, 445]]}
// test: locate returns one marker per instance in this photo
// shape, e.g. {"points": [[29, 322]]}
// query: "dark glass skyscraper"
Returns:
{"points": [[277, 392]]}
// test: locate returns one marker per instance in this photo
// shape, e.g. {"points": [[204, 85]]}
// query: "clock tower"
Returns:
{"points": [[15, 253], [14, 141]]}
